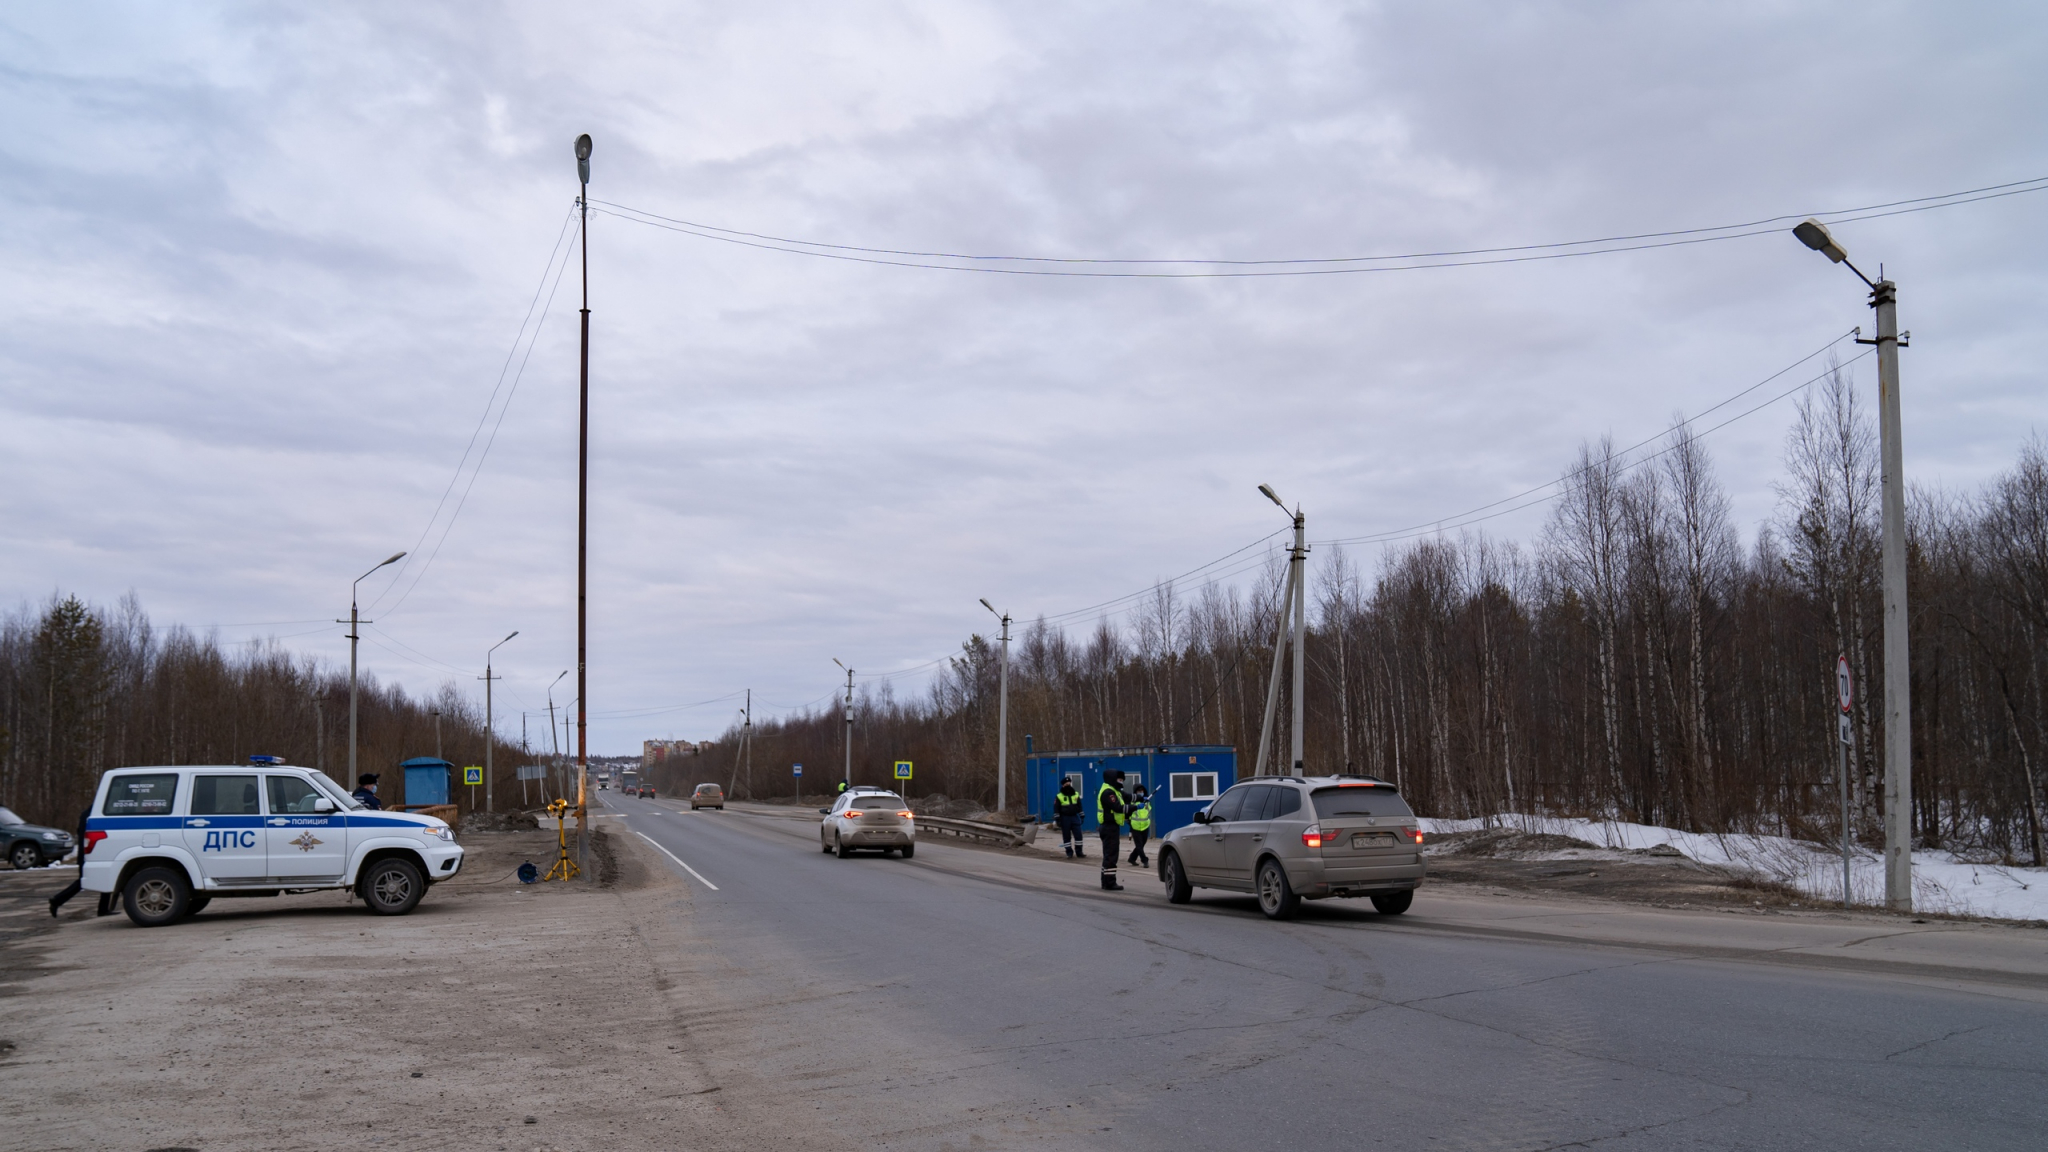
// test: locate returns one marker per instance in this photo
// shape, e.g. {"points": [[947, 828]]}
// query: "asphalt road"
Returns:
{"points": [[966, 998]]}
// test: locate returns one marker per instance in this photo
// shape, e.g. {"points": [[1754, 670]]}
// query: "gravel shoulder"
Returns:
{"points": [[303, 1022]]}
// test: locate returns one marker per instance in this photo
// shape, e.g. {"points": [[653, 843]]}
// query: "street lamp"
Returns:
{"points": [[1294, 605], [1002, 717], [490, 725], [1898, 718], [354, 620], [849, 722], [583, 511]]}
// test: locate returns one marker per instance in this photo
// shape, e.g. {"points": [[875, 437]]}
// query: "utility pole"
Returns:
{"points": [[1898, 652], [849, 722], [1003, 717], [583, 517], [437, 735], [1844, 736], [490, 722], [553, 734], [1294, 620], [319, 738], [355, 621]]}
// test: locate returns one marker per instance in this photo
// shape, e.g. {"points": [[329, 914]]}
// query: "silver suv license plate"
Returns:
{"points": [[1372, 839]]}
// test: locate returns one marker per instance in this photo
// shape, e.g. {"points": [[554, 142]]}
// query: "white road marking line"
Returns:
{"points": [[678, 860]]}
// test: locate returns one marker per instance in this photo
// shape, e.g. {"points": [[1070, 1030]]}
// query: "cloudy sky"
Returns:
{"points": [[268, 266]]}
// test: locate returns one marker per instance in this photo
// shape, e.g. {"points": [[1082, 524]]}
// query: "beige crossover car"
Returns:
{"points": [[707, 796], [1287, 839], [868, 818]]}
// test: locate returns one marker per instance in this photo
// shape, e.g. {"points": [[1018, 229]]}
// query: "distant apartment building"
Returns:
{"points": [[653, 752]]}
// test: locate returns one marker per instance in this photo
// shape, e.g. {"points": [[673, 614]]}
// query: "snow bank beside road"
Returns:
{"points": [[1941, 883]]}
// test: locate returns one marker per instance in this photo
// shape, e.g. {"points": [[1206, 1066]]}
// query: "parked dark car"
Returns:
{"points": [[28, 845]]}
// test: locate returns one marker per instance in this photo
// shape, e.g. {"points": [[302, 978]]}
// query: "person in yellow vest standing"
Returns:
{"points": [[1141, 825], [1110, 812]]}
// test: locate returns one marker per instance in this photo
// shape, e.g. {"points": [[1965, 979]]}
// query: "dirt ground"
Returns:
{"points": [[303, 1022], [1510, 862]]}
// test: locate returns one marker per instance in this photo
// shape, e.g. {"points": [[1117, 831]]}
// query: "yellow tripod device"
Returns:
{"points": [[564, 868]]}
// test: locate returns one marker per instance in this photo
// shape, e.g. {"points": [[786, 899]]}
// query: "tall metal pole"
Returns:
{"points": [[1898, 709], [1298, 569], [583, 517], [354, 626]]}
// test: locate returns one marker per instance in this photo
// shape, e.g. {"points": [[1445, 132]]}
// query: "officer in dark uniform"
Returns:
{"points": [[1109, 820], [1067, 813], [366, 791], [72, 889]]}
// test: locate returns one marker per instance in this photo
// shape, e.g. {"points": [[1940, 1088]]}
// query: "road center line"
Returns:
{"points": [[677, 859]]}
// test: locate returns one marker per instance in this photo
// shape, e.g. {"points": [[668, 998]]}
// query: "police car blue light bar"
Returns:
{"points": [[266, 759]]}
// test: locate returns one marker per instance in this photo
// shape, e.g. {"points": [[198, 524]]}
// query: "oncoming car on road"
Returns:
{"points": [[707, 796], [169, 840], [1290, 838], [868, 818]]}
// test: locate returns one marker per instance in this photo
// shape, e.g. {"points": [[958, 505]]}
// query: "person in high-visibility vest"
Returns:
{"points": [[1110, 809], [1141, 825], [1067, 810]]}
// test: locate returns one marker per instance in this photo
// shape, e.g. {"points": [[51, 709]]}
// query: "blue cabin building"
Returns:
{"points": [[427, 781], [1182, 779]]}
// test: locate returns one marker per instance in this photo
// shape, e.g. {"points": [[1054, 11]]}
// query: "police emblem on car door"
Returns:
{"points": [[305, 833]]}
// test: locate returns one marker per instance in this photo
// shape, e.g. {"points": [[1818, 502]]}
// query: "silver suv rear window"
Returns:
{"points": [[1359, 800], [872, 801]]}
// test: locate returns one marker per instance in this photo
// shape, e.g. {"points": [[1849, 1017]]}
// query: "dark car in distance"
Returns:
{"points": [[27, 845]]}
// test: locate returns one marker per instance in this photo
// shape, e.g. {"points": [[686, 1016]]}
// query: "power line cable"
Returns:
{"points": [[522, 336], [1575, 473], [1306, 266]]}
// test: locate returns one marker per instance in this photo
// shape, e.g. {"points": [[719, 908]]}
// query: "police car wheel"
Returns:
{"points": [[25, 856], [393, 887], [156, 896], [1178, 890]]}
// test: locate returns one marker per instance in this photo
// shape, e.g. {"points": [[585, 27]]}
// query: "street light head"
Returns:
{"points": [[583, 157], [835, 660], [989, 606], [508, 637], [396, 557], [1273, 496], [1815, 235]]}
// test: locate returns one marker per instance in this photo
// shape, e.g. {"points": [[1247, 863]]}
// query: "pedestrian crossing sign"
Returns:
{"points": [[473, 774], [903, 769]]}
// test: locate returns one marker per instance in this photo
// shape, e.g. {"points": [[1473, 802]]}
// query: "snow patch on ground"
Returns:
{"points": [[1941, 882]]}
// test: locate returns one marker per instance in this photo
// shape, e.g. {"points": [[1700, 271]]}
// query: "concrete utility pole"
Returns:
{"points": [[1898, 705], [1003, 717], [583, 519], [849, 722], [1294, 619], [355, 620], [490, 722]]}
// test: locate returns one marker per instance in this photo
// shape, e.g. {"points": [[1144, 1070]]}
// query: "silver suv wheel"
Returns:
{"points": [[1276, 896]]}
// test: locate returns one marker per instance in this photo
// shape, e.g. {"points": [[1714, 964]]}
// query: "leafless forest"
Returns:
{"points": [[87, 689], [1635, 661]]}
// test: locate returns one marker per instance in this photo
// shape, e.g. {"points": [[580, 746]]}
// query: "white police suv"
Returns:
{"points": [[169, 840]]}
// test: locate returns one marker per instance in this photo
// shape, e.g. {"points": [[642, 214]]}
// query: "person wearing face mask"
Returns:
{"points": [[366, 791]]}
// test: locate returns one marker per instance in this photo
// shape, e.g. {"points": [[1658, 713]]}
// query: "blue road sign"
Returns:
{"points": [[903, 769], [796, 769]]}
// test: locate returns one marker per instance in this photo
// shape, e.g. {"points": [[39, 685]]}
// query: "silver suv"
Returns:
{"points": [[1291, 838]]}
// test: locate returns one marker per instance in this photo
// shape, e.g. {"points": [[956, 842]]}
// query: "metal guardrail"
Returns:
{"points": [[1009, 836]]}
